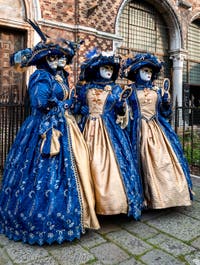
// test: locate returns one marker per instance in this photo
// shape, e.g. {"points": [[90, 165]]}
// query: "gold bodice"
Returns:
{"points": [[147, 99], [96, 99]]}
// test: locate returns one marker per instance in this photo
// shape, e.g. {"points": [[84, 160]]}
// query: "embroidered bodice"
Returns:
{"points": [[96, 99]]}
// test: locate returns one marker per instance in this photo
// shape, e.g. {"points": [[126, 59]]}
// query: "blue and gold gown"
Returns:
{"points": [[117, 184], [47, 197], [163, 168]]}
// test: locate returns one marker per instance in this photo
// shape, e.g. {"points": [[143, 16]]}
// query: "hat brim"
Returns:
{"points": [[38, 55]]}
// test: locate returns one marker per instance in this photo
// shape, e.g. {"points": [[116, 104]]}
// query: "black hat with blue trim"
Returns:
{"points": [[95, 60], [46, 47], [130, 66]]}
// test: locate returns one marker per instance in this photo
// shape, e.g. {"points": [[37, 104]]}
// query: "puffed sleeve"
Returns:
{"points": [[40, 89]]}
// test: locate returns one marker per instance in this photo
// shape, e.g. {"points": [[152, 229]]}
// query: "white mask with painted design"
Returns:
{"points": [[106, 71], [52, 61], [145, 73]]}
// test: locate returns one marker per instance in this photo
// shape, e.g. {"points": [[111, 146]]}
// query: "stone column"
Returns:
{"points": [[178, 58]]}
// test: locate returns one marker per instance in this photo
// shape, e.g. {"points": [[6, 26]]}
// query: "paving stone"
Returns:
{"points": [[4, 259], [197, 193], [192, 211], [4, 240], [193, 259], [195, 180], [42, 261], [95, 263], [131, 261], [129, 242], [21, 253], [91, 239], [196, 243], [158, 257], [109, 253], [140, 229], [171, 245], [181, 226], [72, 254]]}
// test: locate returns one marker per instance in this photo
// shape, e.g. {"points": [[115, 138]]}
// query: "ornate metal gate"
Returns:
{"points": [[12, 90]]}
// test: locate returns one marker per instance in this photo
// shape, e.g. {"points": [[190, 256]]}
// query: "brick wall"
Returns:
{"points": [[58, 10], [100, 16]]}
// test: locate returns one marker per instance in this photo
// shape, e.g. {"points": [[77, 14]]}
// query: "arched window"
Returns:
{"points": [[143, 30], [191, 73], [192, 65]]}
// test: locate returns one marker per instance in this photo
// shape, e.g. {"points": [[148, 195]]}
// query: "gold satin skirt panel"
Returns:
{"points": [[81, 156], [109, 189], [164, 181]]}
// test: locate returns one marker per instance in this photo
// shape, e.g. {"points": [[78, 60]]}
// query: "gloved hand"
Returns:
{"points": [[127, 91], [66, 104], [165, 97], [84, 110]]}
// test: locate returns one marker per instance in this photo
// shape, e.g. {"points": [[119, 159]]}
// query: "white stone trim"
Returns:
{"points": [[80, 28]]}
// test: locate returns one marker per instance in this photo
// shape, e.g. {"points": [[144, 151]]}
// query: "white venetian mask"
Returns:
{"points": [[145, 73], [52, 61], [62, 62], [106, 71]]}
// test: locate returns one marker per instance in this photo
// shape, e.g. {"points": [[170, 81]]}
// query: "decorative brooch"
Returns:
{"points": [[108, 88], [58, 78]]}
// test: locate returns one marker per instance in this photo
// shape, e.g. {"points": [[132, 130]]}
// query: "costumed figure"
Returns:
{"points": [[163, 168], [117, 185], [47, 193]]}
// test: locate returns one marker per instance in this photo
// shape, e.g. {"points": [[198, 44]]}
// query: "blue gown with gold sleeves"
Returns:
{"points": [[46, 194]]}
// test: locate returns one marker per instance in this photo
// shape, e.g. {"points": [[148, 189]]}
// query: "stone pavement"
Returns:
{"points": [[162, 237]]}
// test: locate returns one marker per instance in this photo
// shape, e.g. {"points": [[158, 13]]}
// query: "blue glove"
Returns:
{"points": [[67, 103], [84, 110], [165, 98]]}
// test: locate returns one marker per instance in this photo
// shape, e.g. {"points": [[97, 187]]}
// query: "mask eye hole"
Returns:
{"points": [[108, 67], [62, 58], [148, 71], [52, 58]]}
